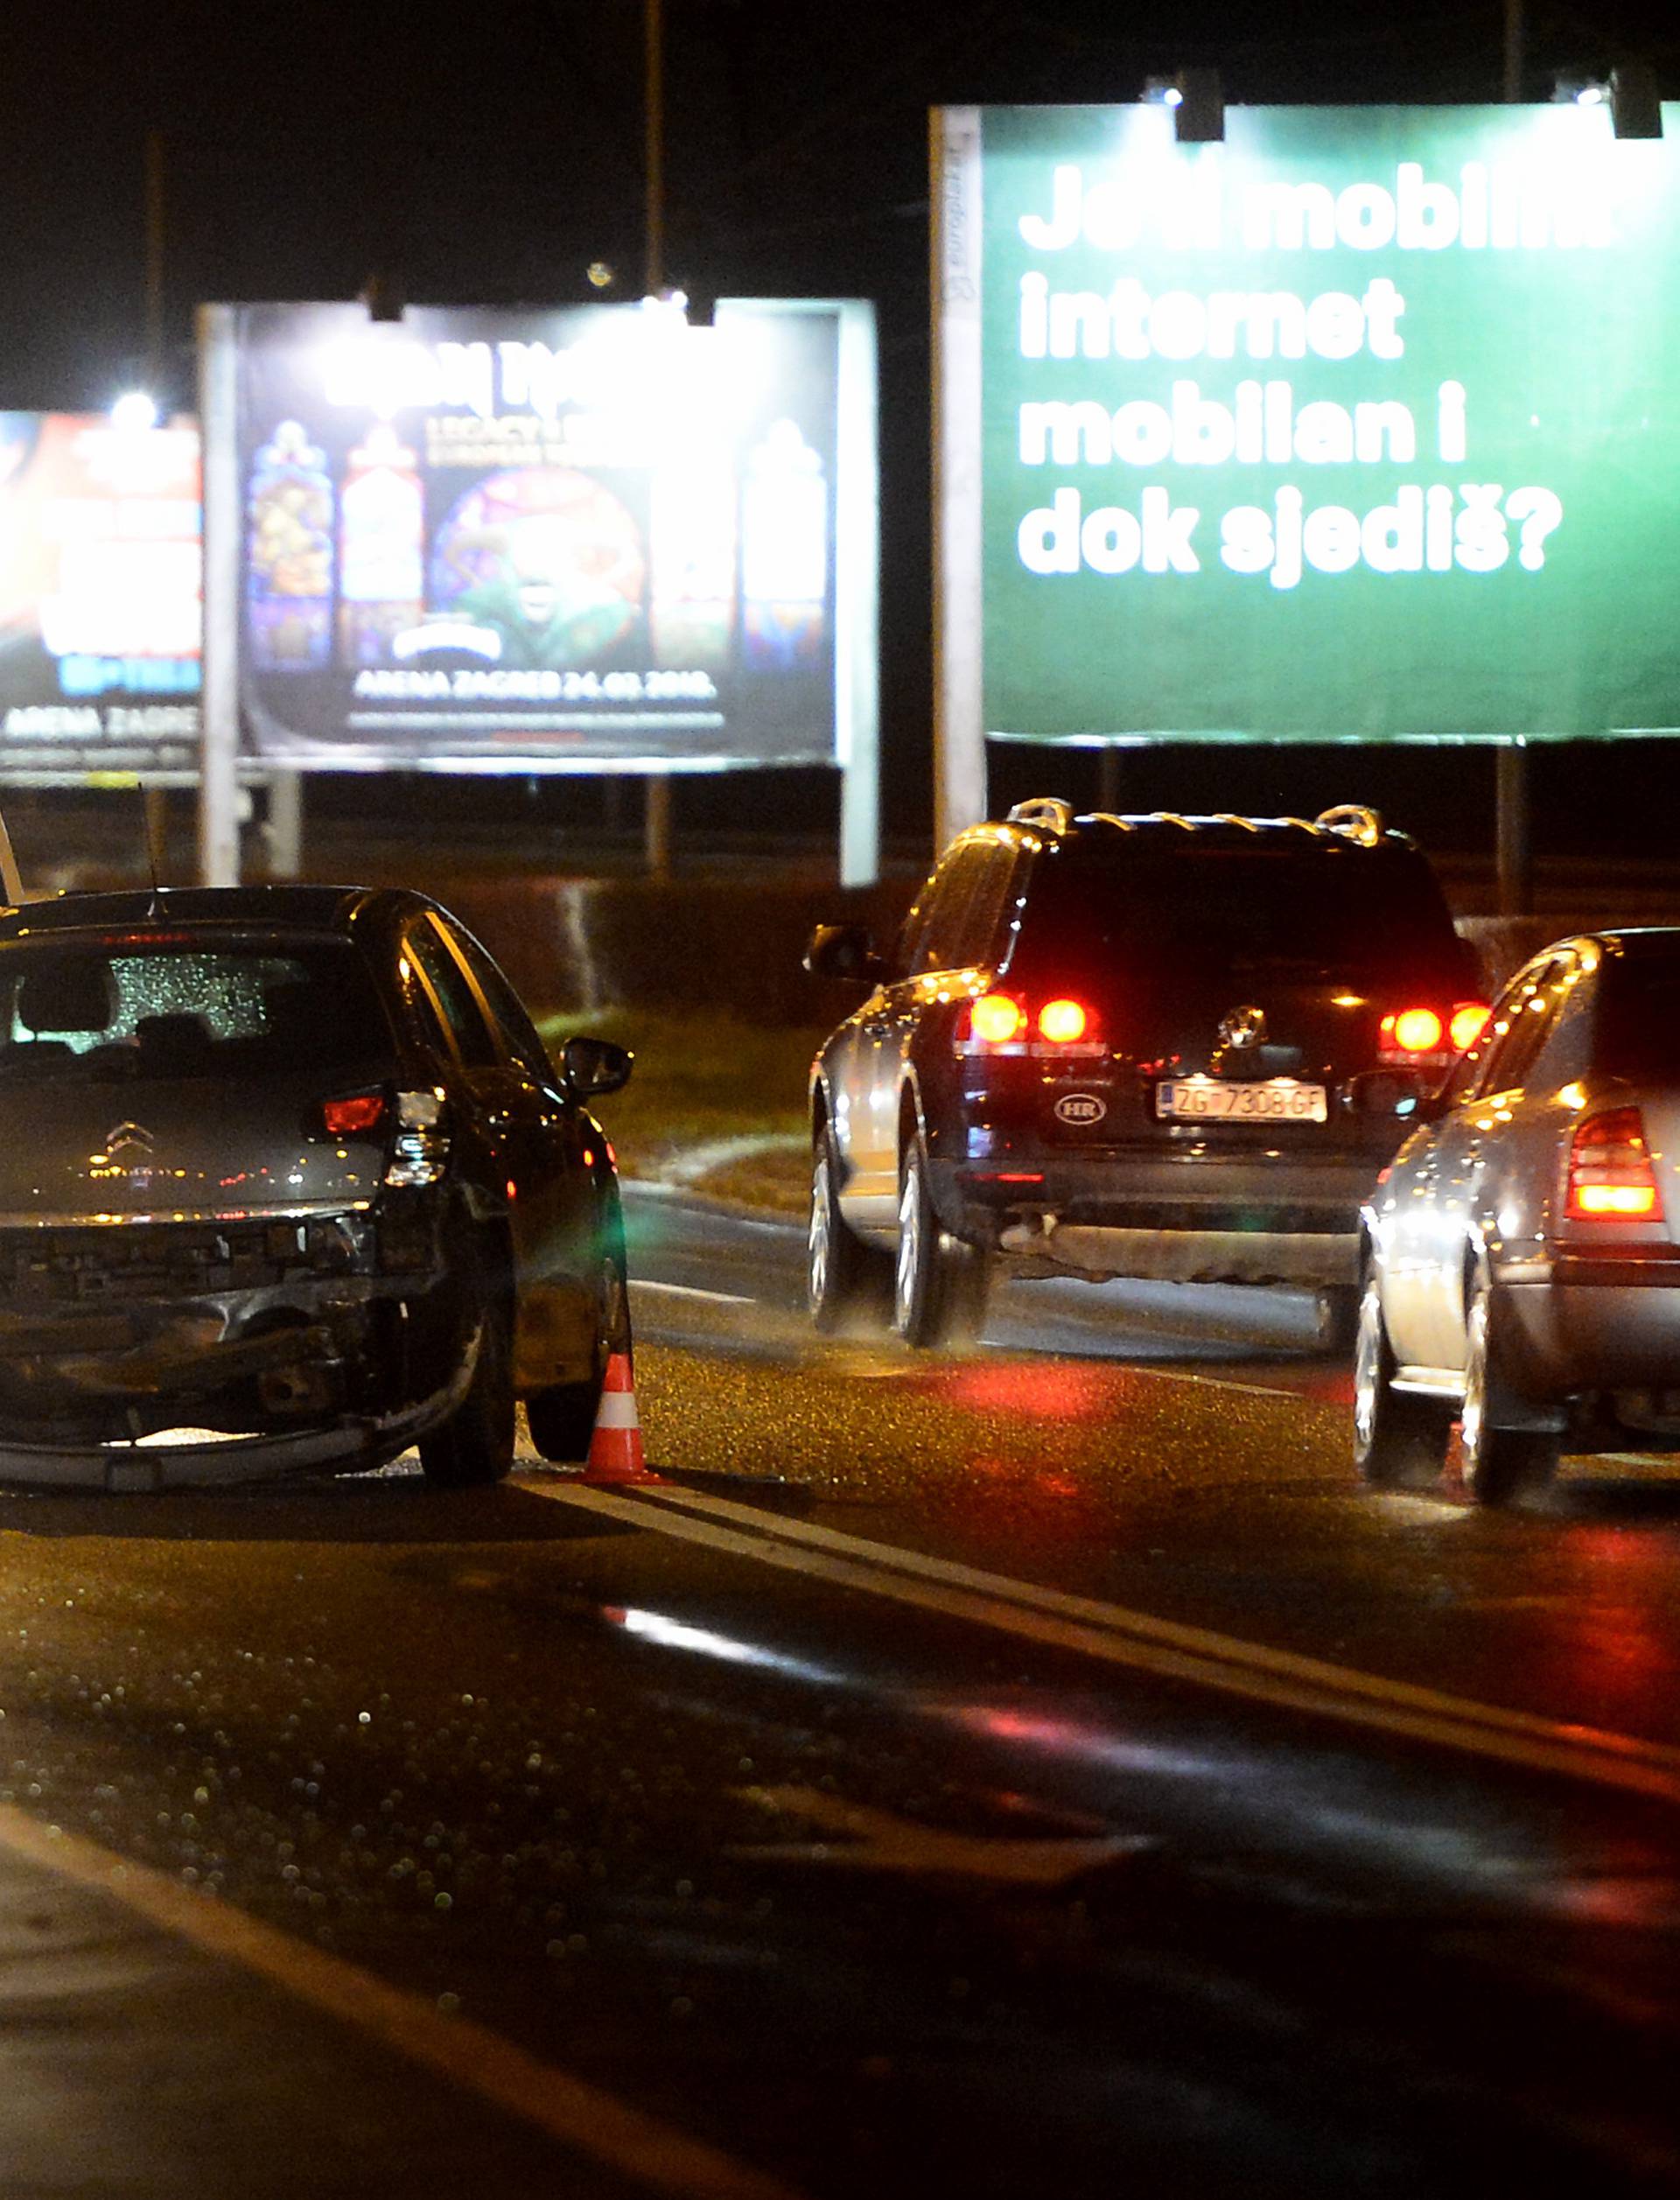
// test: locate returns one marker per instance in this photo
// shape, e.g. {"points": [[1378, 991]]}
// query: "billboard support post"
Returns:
{"points": [[218, 752], [283, 828], [857, 642], [959, 723], [1513, 860]]}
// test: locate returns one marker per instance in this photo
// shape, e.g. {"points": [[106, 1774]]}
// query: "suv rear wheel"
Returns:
{"points": [[939, 1294], [846, 1280]]}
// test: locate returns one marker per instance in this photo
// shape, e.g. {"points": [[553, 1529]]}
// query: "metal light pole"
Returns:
{"points": [[657, 820]]}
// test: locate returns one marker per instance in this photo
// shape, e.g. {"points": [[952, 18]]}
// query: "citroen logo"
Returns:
{"points": [[131, 1140], [1243, 1026]]}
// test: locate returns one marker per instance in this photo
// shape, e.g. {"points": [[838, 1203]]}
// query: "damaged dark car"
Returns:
{"points": [[290, 1183]]}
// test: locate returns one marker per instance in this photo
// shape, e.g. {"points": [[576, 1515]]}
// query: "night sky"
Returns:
{"points": [[489, 153]]}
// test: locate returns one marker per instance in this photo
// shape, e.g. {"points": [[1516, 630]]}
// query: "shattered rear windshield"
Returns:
{"points": [[140, 1009]]}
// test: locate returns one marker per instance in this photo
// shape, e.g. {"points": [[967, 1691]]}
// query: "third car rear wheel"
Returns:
{"points": [[848, 1282], [939, 1290], [1399, 1442], [1500, 1459]]}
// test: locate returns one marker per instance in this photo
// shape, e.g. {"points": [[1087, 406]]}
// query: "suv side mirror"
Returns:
{"points": [[845, 951], [594, 1066]]}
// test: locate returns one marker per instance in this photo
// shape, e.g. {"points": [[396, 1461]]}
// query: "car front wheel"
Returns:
{"points": [[1501, 1462], [939, 1295], [846, 1280], [1399, 1442], [475, 1445]]}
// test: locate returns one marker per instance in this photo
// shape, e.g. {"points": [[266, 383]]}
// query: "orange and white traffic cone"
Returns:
{"points": [[616, 1458]]}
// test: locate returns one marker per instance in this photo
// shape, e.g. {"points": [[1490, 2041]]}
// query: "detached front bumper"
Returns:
{"points": [[209, 1461]]}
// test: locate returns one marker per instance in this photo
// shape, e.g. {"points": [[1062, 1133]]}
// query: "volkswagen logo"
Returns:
{"points": [[1243, 1026], [132, 1140], [1080, 1108]]}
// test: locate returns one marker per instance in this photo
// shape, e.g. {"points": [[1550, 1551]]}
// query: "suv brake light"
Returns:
{"points": [[1422, 1038], [998, 1023], [995, 1019], [1063, 1022], [1407, 1032], [1610, 1174]]}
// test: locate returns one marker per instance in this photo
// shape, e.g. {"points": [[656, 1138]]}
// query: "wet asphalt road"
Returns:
{"points": [[986, 1775]]}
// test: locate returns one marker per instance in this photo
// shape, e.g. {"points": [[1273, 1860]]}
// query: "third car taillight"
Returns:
{"points": [[1610, 1174]]}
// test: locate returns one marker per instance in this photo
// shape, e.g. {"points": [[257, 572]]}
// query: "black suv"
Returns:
{"points": [[1177, 1047]]}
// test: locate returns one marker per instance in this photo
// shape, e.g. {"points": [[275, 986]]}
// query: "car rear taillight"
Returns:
{"points": [[1610, 1174], [1407, 1033], [353, 1115], [1422, 1038], [998, 1023], [1064, 1022], [995, 1019]]}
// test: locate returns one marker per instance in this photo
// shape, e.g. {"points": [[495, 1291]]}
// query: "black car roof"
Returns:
{"points": [[285, 907]]}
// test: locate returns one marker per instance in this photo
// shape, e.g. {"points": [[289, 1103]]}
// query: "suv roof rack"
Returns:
{"points": [[1044, 809], [1354, 821]]}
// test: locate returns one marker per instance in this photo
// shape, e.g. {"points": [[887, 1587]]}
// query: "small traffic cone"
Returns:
{"points": [[616, 1459]]}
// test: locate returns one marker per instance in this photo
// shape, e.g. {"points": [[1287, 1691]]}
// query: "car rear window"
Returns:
{"points": [[1319, 909], [1639, 1019], [139, 1008]]}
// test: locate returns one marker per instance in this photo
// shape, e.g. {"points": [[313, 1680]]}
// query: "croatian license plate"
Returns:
{"points": [[1224, 1100]]}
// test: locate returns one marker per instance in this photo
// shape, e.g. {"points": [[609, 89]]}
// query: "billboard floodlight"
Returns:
{"points": [[1161, 91], [1635, 108], [135, 411], [382, 298], [1571, 89], [1199, 112]]}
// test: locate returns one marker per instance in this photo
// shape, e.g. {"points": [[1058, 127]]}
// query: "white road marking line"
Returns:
{"points": [[1207, 1382], [691, 1291], [873, 1840], [1116, 1635], [468, 2054]]}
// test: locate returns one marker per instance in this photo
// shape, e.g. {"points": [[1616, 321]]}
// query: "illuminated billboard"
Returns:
{"points": [[597, 538], [1362, 425], [100, 615]]}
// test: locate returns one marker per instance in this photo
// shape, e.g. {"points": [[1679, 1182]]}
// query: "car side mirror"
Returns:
{"points": [[845, 951], [594, 1066], [1400, 1093]]}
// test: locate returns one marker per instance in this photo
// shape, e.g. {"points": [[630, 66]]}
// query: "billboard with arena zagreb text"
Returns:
{"points": [[498, 541], [1360, 425], [99, 614]]}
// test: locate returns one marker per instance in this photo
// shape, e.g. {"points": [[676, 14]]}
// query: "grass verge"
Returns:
{"points": [[714, 1105]]}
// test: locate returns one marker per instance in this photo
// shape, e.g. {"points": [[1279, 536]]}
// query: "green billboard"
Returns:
{"points": [[1363, 424]]}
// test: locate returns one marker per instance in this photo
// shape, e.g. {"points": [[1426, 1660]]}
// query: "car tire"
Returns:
{"points": [[475, 1446], [1399, 1442], [847, 1282], [562, 1418], [939, 1284], [1500, 1462]]}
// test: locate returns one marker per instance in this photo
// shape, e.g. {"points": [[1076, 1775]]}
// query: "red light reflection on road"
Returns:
{"points": [[1040, 1390]]}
